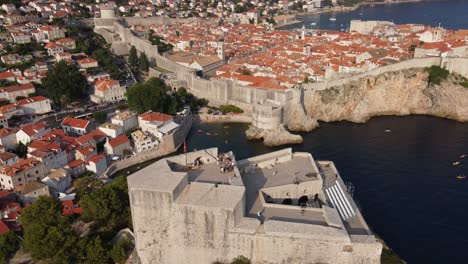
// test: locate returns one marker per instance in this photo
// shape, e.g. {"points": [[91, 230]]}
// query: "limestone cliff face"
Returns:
{"points": [[297, 119], [394, 93]]}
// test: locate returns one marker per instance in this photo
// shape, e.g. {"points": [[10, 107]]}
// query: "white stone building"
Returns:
{"points": [[31, 132], [35, 105], [143, 141], [8, 138], [24, 171], [115, 147], [76, 126], [128, 120], [111, 130], [58, 180], [97, 164], [107, 90]]}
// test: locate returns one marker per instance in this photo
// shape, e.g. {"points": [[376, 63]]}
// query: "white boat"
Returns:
{"points": [[332, 18], [388, 131], [313, 24]]}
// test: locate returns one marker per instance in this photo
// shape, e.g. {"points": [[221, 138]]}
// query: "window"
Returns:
{"points": [[37, 172], [9, 181]]}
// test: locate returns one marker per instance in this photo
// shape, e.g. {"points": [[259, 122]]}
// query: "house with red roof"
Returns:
{"points": [[76, 167], [30, 191], [54, 48], [8, 138], [50, 153], [31, 132], [8, 158], [7, 76], [24, 171], [70, 208], [151, 121], [115, 147], [87, 63], [12, 92], [35, 105], [76, 126], [107, 90], [97, 164], [67, 43], [85, 152]]}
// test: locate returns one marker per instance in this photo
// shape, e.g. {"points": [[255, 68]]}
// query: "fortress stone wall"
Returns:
{"points": [[219, 92]]}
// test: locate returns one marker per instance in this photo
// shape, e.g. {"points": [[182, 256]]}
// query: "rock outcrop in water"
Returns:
{"points": [[393, 93], [273, 137]]}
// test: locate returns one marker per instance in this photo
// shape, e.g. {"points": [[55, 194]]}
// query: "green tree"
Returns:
{"points": [[96, 252], [133, 59], [437, 74], [241, 260], [47, 235], [119, 251], [87, 184], [108, 207], [100, 116], [144, 64], [9, 244], [151, 95], [21, 150], [65, 83]]}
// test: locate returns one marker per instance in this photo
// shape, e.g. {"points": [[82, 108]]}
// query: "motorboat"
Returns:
{"points": [[456, 163], [332, 18], [463, 156], [388, 131], [461, 177]]}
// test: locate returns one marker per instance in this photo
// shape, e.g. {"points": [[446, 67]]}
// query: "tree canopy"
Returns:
{"points": [[100, 116], [144, 64], [65, 83], [133, 59], [9, 244], [151, 95], [154, 95], [48, 235]]}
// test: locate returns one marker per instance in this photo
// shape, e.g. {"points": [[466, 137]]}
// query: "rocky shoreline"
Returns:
{"points": [[398, 93]]}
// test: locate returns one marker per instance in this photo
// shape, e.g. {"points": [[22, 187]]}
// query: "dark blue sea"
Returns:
{"points": [[451, 14], [404, 180]]}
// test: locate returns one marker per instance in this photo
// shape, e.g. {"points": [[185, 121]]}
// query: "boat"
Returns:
{"points": [[461, 177], [200, 131], [226, 126], [208, 134], [313, 24], [455, 163], [388, 131], [332, 18], [463, 156]]}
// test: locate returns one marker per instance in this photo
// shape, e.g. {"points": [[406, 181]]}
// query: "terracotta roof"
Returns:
{"points": [[6, 156], [70, 208], [121, 139], [155, 116], [32, 100], [105, 84], [85, 139], [75, 122], [21, 165], [96, 159], [75, 163], [15, 88], [6, 75], [87, 60], [33, 129], [7, 131]]}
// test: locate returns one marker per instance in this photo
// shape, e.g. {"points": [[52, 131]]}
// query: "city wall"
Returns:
{"points": [[455, 65]]}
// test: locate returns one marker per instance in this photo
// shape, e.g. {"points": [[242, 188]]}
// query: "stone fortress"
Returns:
{"points": [[270, 108], [280, 207], [273, 111]]}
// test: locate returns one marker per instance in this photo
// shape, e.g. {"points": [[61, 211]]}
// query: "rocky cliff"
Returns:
{"points": [[393, 93]]}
